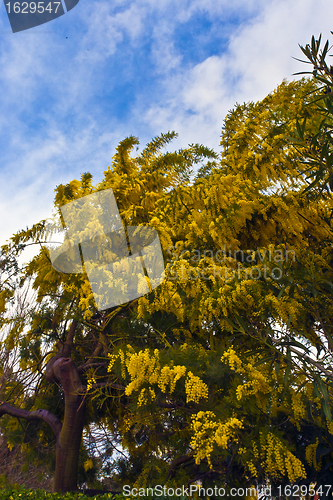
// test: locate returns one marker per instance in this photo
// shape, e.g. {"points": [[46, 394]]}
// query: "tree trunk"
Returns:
{"points": [[64, 371], [68, 447]]}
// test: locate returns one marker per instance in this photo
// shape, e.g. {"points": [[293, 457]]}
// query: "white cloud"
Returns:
{"points": [[27, 193], [63, 83], [258, 58]]}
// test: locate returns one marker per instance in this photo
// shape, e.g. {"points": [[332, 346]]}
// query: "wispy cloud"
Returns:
{"points": [[258, 57]]}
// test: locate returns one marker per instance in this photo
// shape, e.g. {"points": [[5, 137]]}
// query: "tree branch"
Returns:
{"points": [[108, 384], [43, 415], [64, 352], [82, 368], [178, 462], [329, 340], [69, 339], [309, 360], [94, 355]]}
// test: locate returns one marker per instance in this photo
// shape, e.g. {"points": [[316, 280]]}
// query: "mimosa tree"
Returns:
{"points": [[216, 374]]}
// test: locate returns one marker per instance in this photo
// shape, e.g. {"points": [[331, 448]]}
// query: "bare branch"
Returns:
{"points": [[309, 360], [43, 415], [86, 365]]}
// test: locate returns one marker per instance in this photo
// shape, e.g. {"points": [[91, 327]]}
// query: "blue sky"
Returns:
{"points": [[73, 88]]}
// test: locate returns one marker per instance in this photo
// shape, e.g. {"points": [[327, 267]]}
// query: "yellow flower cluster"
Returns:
{"points": [[88, 464], [123, 365], [225, 431], [285, 308], [142, 368], [86, 298], [278, 461], [252, 469], [243, 294], [330, 427], [257, 384], [145, 368], [298, 407], [127, 424], [195, 388], [113, 358], [146, 395], [310, 455], [90, 383], [207, 432], [10, 445], [168, 298], [170, 376], [232, 359]]}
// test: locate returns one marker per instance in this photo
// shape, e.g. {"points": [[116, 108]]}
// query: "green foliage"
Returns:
{"points": [[317, 144], [25, 494]]}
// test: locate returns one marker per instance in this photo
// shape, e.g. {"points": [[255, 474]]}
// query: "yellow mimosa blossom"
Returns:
{"points": [[195, 388], [208, 432]]}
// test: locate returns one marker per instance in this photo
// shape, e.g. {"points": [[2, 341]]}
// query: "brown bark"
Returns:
{"points": [[63, 370], [68, 447], [44, 415]]}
